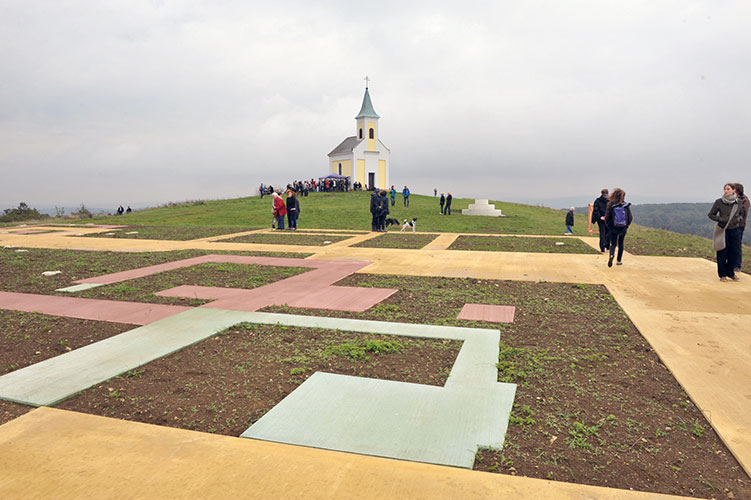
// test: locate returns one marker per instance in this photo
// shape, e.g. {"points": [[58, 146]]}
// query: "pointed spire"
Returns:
{"points": [[367, 107]]}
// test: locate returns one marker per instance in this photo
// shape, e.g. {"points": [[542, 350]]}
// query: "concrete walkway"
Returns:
{"points": [[51, 453], [696, 324]]}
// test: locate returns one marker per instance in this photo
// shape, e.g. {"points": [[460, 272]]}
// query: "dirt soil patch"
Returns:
{"points": [[180, 233], [28, 338], [521, 244], [331, 231], [594, 404], [398, 240], [227, 382], [9, 411], [22, 272], [213, 274], [288, 238]]}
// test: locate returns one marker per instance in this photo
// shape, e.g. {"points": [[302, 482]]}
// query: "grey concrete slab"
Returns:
{"points": [[78, 288], [384, 418]]}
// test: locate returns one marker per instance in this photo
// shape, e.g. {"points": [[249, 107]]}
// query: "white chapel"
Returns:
{"points": [[363, 157]]}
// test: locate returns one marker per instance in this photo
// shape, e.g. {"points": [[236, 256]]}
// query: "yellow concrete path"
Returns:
{"points": [[698, 325], [59, 454]]}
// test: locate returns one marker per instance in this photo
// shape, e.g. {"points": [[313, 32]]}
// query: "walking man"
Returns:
{"points": [[447, 210], [405, 193], [598, 216]]}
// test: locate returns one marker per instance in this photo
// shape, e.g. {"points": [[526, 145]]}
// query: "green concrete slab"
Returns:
{"points": [[78, 288], [55, 379], [422, 423]]}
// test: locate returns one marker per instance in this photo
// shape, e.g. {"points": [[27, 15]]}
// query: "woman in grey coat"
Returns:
{"points": [[721, 213]]}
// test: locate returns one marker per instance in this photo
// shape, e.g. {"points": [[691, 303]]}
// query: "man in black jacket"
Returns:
{"points": [[598, 216], [375, 204]]}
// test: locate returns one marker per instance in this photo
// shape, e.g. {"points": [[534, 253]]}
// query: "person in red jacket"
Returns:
{"points": [[280, 210]]}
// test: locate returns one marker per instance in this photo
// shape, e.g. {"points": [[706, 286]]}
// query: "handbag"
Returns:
{"points": [[718, 238]]}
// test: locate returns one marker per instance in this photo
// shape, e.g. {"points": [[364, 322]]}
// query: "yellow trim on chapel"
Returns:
{"points": [[361, 171], [382, 174], [371, 142]]}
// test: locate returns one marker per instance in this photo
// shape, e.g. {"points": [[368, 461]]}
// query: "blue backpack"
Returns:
{"points": [[619, 215]]}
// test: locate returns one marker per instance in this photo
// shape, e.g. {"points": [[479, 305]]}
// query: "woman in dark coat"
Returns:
{"points": [[442, 201], [721, 213], [293, 210]]}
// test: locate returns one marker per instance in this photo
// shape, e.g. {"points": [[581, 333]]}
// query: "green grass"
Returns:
{"points": [[352, 211]]}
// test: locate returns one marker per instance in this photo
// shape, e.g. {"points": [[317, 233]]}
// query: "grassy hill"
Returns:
{"points": [[352, 211]]}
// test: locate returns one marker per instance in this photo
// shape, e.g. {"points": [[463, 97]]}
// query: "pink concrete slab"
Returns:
{"points": [[133, 313], [343, 298], [311, 289], [202, 292], [484, 312]]}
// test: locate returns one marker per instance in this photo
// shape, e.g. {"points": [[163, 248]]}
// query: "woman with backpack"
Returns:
{"points": [[617, 219], [727, 212]]}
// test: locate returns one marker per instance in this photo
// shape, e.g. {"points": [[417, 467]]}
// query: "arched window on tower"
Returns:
{"points": [[372, 134], [360, 133], [340, 169]]}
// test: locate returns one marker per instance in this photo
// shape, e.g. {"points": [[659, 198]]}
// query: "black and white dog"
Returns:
{"points": [[410, 223], [391, 222]]}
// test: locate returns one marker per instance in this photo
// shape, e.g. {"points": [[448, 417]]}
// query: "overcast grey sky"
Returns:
{"points": [[143, 102]]}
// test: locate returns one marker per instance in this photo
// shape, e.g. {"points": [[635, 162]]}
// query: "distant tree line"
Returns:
{"points": [[25, 213], [21, 213]]}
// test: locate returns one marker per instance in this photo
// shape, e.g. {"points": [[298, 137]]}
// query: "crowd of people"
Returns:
{"points": [[612, 214], [303, 188]]}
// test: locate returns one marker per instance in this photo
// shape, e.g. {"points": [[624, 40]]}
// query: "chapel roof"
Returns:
{"points": [[367, 107], [346, 146]]}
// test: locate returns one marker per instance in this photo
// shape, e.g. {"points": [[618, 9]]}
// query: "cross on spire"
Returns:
{"points": [[367, 80]]}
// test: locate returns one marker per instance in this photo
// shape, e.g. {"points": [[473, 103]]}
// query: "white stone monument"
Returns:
{"points": [[482, 207]]}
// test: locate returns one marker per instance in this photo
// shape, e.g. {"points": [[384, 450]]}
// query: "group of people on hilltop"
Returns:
{"points": [[445, 202], [379, 209], [120, 210], [730, 212], [302, 188], [612, 214]]}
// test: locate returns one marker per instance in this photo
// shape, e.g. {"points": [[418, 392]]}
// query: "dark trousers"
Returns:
{"points": [[727, 258], [441, 208], [374, 223], [393, 200], [447, 211], [617, 235], [406, 201], [292, 219], [739, 260], [604, 238]]}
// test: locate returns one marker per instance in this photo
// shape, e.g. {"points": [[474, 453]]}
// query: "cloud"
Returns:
{"points": [[155, 101]]}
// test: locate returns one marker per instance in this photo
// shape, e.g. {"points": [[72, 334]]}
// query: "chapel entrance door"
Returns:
{"points": [[371, 180]]}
